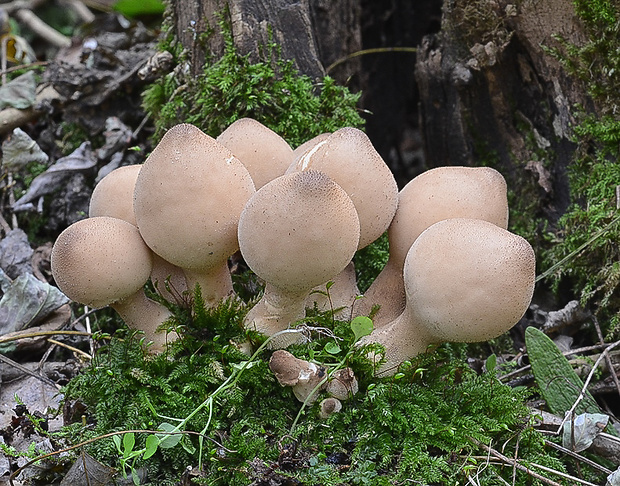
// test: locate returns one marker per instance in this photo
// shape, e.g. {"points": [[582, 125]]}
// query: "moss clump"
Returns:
{"points": [[426, 422], [587, 242], [271, 91]]}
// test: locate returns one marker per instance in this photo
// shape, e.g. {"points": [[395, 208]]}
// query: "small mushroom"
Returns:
{"points": [[299, 374], [342, 384], [435, 195], [466, 280], [296, 232], [187, 201], [103, 261], [262, 151], [329, 406], [113, 196]]}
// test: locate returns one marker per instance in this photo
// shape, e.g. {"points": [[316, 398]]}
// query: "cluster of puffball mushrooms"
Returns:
{"points": [[298, 216]]}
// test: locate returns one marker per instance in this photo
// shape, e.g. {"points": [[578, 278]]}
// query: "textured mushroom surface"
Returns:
{"points": [[298, 231], [262, 151], [349, 158], [466, 280], [113, 195], [435, 195], [98, 261], [187, 201]]}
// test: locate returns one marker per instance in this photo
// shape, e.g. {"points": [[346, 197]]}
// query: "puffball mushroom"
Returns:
{"points": [[103, 261], [188, 197], [262, 151], [350, 159], [466, 280], [295, 232], [435, 195], [113, 196]]}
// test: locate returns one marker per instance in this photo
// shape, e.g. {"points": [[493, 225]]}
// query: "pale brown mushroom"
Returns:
{"points": [[103, 261], [264, 153], [466, 280], [350, 159], [187, 201], [306, 379], [113, 196], [435, 195], [329, 406], [342, 384], [296, 232]]}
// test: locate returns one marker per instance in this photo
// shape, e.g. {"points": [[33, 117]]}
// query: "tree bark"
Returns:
{"points": [[491, 93], [311, 33]]}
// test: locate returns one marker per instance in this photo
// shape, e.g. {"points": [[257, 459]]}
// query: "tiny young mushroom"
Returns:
{"points": [[103, 261], [296, 232], [466, 280], [434, 195], [342, 384], [262, 151], [349, 158], [187, 201], [329, 406], [304, 377], [113, 196]]}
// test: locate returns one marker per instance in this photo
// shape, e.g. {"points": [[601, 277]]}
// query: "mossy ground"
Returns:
{"points": [[426, 422]]}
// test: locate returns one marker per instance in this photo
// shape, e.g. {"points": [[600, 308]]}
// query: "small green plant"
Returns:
{"points": [[586, 242], [271, 91]]}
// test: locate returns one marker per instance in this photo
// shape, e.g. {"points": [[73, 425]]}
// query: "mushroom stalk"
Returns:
{"points": [[277, 309], [140, 312], [215, 284]]}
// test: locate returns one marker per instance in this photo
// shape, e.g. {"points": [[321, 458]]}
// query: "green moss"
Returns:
{"points": [[426, 422], [270, 91], [587, 241]]}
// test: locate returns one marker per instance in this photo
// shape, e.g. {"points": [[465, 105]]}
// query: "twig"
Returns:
{"points": [[610, 365], [364, 52], [23, 369], [71, 348], [22, 67], [42, 333], [581, 396], [564, 475], [578, 456], [584, 349], [51, 35], [521, 467]]}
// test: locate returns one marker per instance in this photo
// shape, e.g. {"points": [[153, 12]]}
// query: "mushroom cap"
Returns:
{"points": [[101, 260], [349, 158], [446, 192], [308, 144], [329, 406], [113, 195], [262, 151], [468, 280], [342, 384], [298, 231], [188, 198]]}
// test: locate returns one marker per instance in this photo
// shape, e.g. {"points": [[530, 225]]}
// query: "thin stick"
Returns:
{"points": [[610, 365], [23, 369], [364, 52], [582, 393], [521, 467], [71, 348], [43, 333], [578, 456]]}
